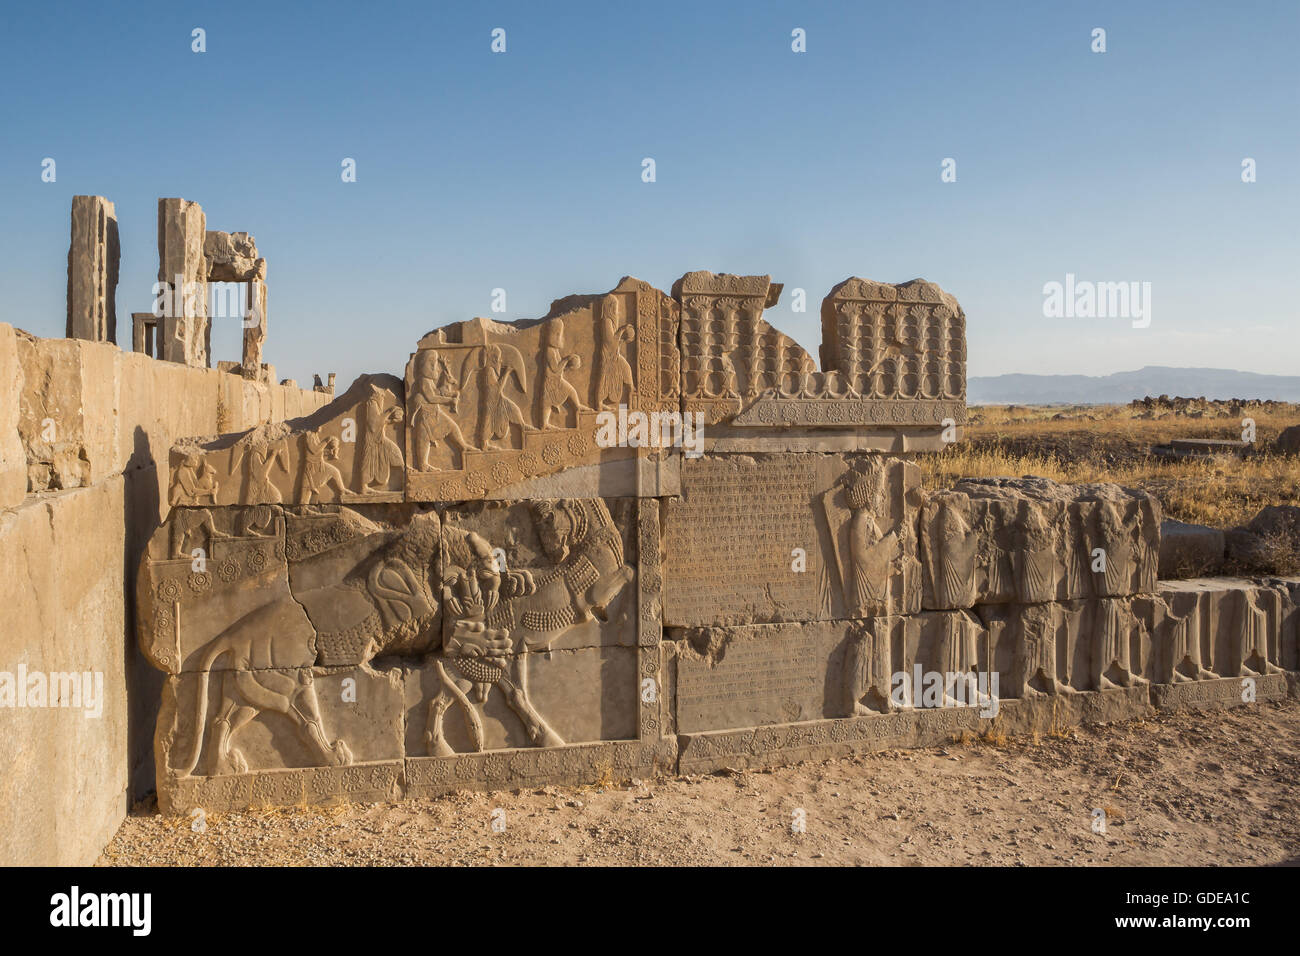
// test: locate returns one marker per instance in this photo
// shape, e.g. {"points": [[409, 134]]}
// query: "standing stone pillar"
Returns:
{"points": [[183, 272], [93, 259], [255, 328]]}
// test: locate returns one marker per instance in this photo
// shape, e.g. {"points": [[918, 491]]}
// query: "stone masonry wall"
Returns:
{"points": [[84, 434], [644, 532]]}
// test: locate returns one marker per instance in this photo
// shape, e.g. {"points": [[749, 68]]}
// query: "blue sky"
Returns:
{"points": [[522, 170]]}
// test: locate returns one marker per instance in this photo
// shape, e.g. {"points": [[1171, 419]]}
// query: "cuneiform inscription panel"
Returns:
{"points": [[761, 675], [731, 544]]}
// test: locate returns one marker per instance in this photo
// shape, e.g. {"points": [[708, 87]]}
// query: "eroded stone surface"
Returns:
{"points": [[493, 406], [183, 274], [94, 256], [1031, 540], [350, 450]]}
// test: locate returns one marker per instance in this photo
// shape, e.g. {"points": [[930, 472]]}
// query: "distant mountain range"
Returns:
{"points": [[1123, 387]]}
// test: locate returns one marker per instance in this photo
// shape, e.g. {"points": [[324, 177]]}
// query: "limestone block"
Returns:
{"points": [[348, 451], [1219, 627], [493, 406], [1031, 540], [63, 791], [183, 271], [513, 626], [777, 744], [1060, 648], [1189, 550], [534, 767], [210, 581], [1289, 640], [264, 586], [794, 537], [370, 584], [13, 459], [896, 342], [68, 419], [730, 355], [93, 259], [758, 674]]}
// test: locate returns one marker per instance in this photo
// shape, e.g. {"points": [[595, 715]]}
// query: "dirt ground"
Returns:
{"points": [[1211, 787]]}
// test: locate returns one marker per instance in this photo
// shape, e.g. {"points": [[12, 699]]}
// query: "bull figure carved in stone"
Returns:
{"points": [[497, 617]]}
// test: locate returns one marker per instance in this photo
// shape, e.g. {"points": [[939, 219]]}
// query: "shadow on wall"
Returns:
{"points": [[143, 682]]}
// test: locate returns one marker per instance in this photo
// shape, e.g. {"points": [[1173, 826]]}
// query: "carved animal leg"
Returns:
{"points": [[457, 691], [307, 708], [517, 697], [230, 717], [228, 755], [295, 698], [435, 741]]}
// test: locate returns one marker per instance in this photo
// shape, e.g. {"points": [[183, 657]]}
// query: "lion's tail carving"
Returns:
{"points": [[215, 650]]}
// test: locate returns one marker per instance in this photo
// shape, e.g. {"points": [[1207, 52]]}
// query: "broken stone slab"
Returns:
{"points": [[891, 342], [232, 257], [794, 537], [1189, 550], [1031, 540], [255, 334], [729, 353], [893, 375], [348, 451], [1203, 448], [94, 256], [496, 407], [66, 409]]}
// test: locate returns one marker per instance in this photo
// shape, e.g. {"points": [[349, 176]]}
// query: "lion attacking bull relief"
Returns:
{"points": [[251, 608]]}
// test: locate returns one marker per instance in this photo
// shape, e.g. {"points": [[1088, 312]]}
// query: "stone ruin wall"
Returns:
{"points": [[85, 430], [465, 579]]}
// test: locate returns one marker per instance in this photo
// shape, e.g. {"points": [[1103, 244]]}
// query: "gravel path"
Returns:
{"points": [[1211, 787]]}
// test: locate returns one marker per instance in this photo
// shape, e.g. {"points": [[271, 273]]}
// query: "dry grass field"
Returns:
{"points": [[1113, 443]]}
